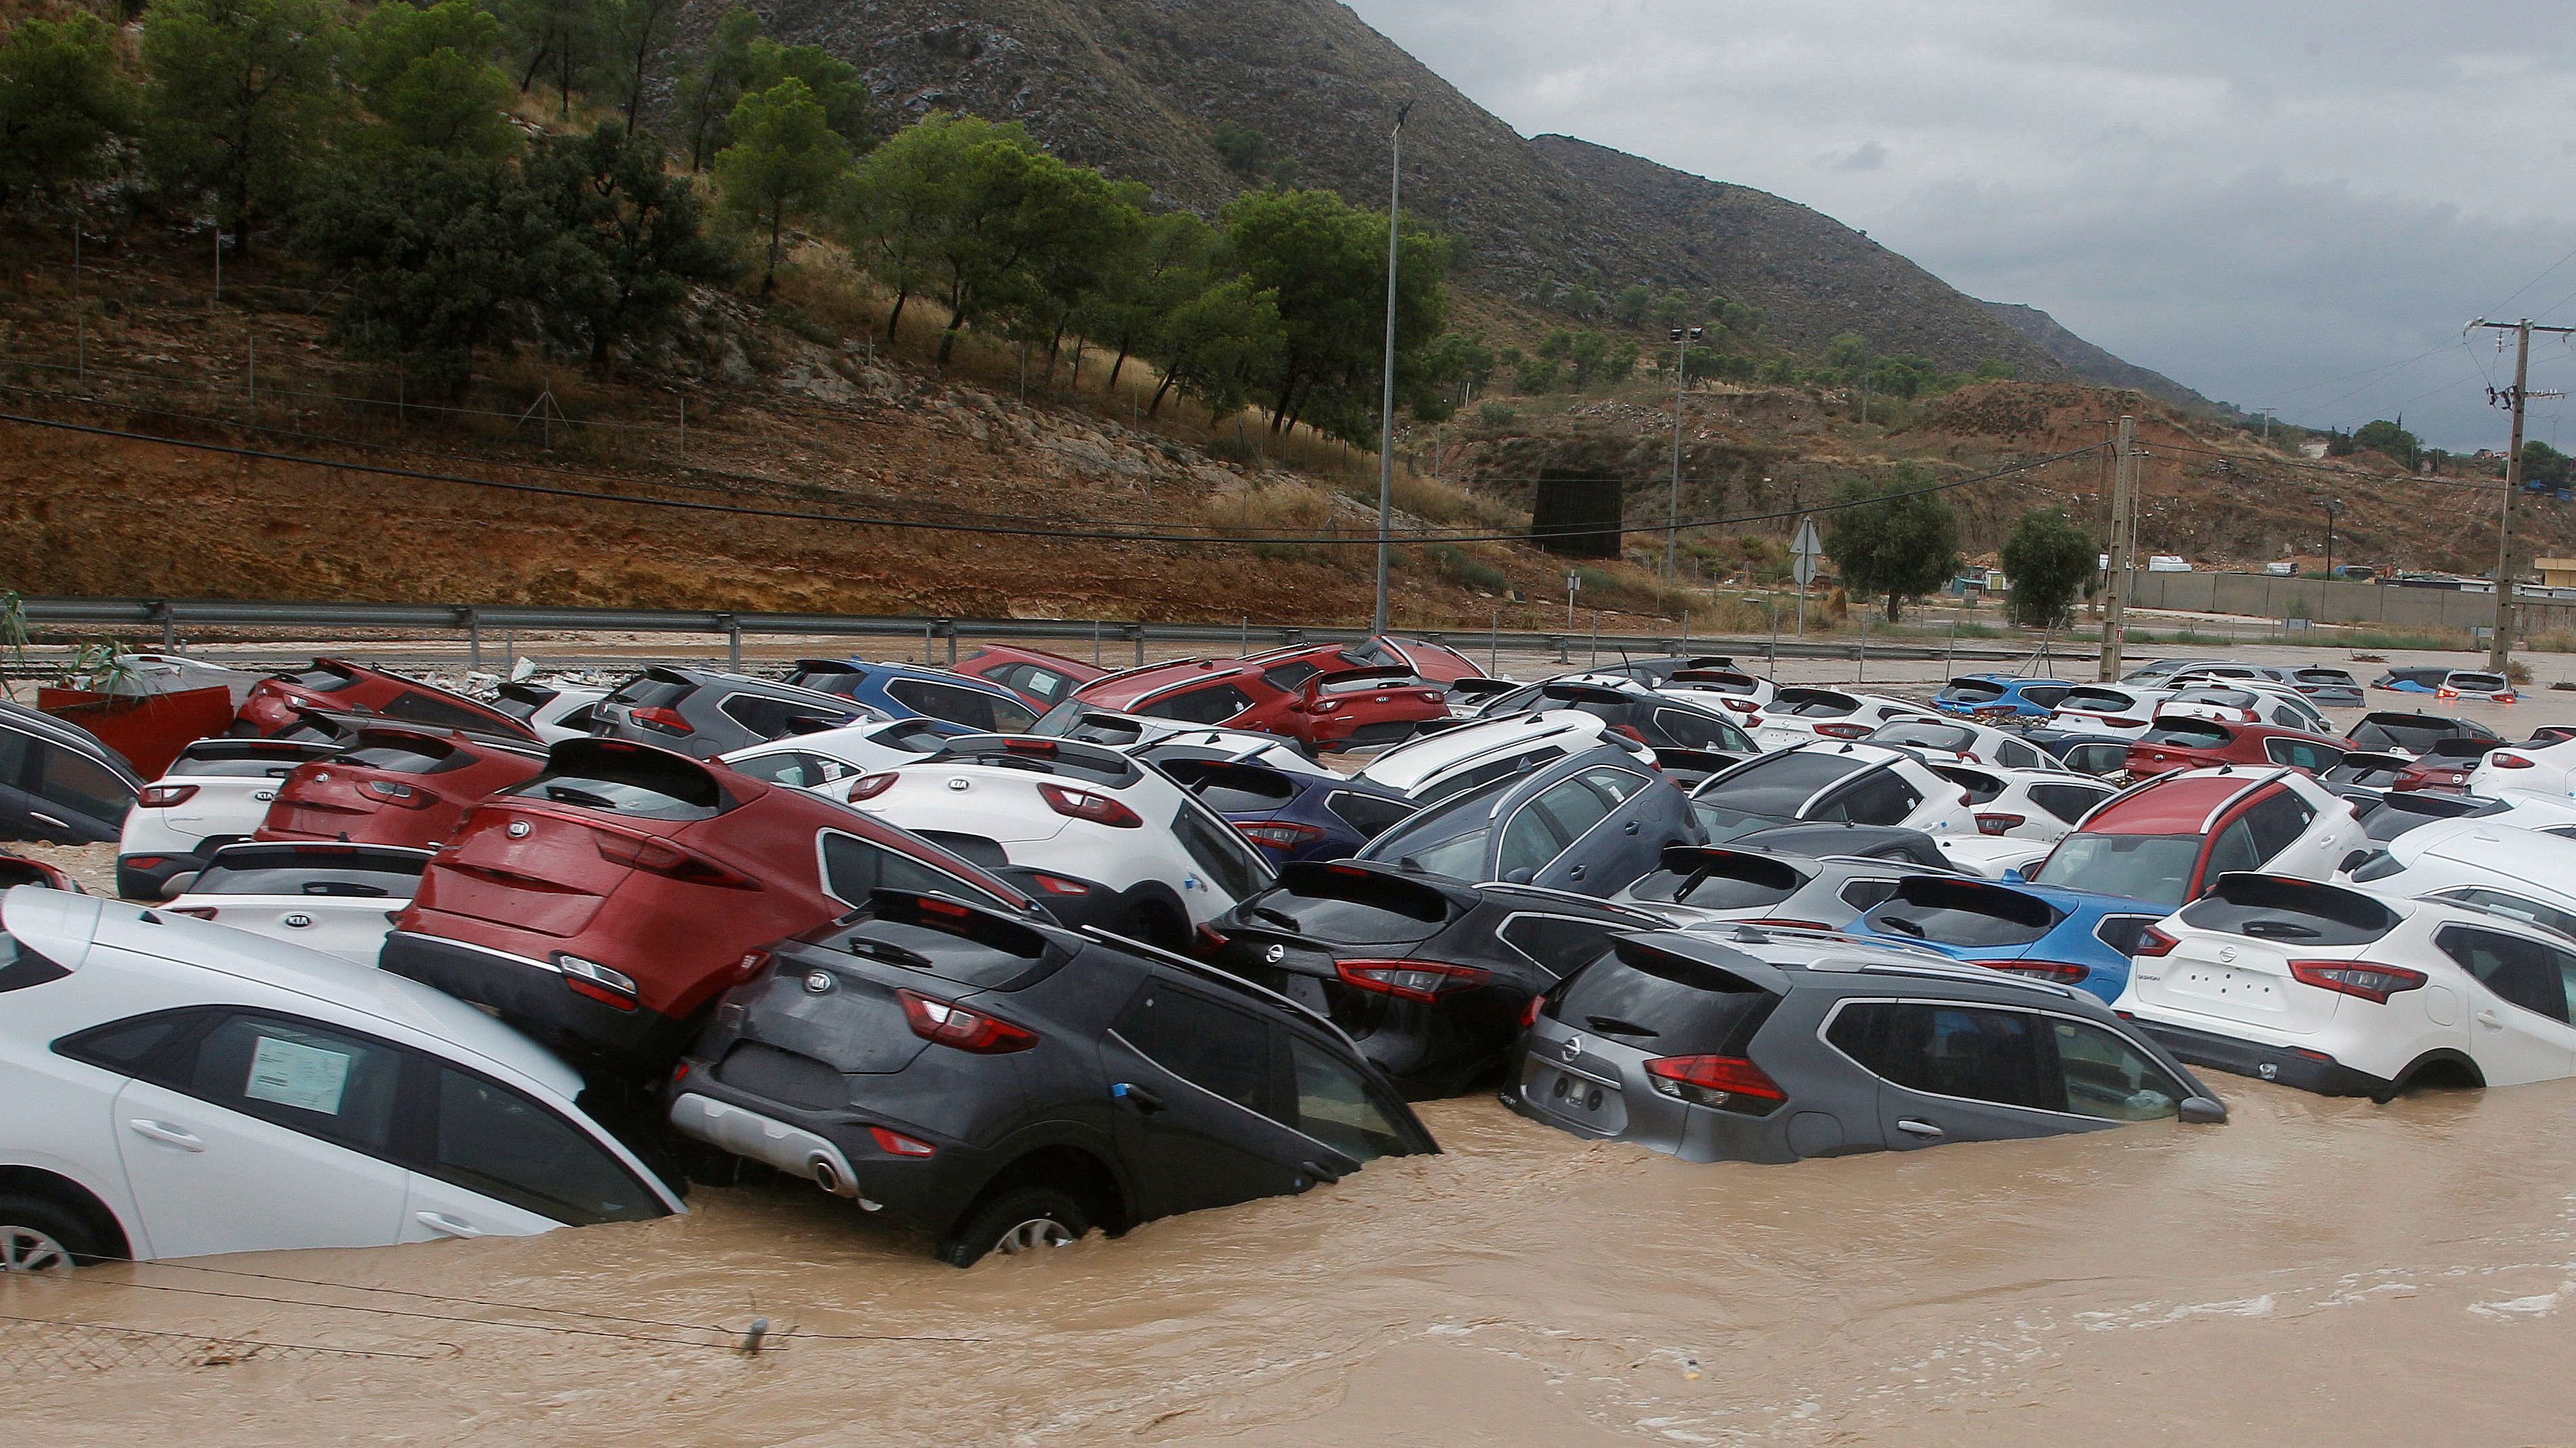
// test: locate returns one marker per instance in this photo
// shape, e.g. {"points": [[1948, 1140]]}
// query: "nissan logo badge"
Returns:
{"points": [[1275, 954], [819, 981], [1573, 1047], [518, 829]]}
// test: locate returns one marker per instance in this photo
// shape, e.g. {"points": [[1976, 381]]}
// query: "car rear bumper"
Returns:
{"points": [[1596, 1110], [2284, 1065], [531, 995], [925, 1193], [137, 881]]}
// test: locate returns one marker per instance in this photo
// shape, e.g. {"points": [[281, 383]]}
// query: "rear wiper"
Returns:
{"points": [[566, 794], [2284, 929], [1282, 918], [1902, 926], [1612, 1025]]}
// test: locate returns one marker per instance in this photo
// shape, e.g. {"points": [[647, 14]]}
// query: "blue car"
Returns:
{"points": [[1292, 814], [2074, 938], [910, 692], [2001, 693]]}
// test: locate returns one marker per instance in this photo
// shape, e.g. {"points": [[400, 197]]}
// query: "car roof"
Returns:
{"points": [[64, 732], [1420, 758], [2174, 804], [874, 669]]}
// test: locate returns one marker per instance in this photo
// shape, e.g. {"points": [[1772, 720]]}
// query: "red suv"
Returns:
{"points": [[602, 905], [2169, 840], [1292, 698], [1436, 663], [2179, 741], [333, 686], [1042, 678], [395, 786]]}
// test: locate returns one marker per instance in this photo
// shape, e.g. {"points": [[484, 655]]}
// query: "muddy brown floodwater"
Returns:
{"points": [[2315, 1271]]}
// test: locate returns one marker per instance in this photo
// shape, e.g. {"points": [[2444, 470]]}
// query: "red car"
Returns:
{"points": [[604, 904], [335, 687], [2169, 840], [1042, 678], [2180, 741], [1296, 698], [1435, 663], [395, 786], [18, 870]]}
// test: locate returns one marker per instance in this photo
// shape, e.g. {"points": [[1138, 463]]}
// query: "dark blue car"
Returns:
{"points": [[907, 691], [2001, 693], [1291, 814], [2074, 938]]}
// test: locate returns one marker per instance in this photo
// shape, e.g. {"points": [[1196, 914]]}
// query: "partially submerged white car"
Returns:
{"points": [[215, 793], [334, 898]]}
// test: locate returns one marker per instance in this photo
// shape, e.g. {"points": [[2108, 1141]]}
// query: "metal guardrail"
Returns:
{"points": [[170, 615]]}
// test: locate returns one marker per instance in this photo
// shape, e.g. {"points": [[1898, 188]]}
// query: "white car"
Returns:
{"points": [[1151, 862], [1968, 743], [1799, 714], [1238, 746], [337, 899], [2352, 992], [1453, 761], [831, 757], [216, 792], [2021, 814], [1820, 783], [2121, 711], [2247, 703], [2519, 860], [1744, 696], [555, 709], [177, 1088], [2541, 769]]}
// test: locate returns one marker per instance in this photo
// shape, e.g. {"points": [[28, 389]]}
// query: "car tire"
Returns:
{"points": [[1155, 925], [41, 1237], [1019, 1221]]}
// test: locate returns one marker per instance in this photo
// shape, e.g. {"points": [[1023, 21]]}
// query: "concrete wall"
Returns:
{"points": [[2262, 595]]}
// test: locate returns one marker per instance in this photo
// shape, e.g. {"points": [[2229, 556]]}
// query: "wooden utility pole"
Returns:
{"points": [[2124, 542], [2500, 646]]}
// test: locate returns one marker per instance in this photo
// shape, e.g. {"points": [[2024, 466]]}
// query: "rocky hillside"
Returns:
{"points": [[2092, 363], [1140, 88]]}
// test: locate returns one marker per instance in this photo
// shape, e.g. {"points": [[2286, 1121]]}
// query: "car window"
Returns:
{"points": [[1969, 1052], [302, 1076], [1866, 894], [1219, 850], [2068, 802], [1957, 913], [2142, 867], [1488, 772], [1289, 677], [2526, 973], [645, 783], [76, 781], [777, 718], [2110, 1079], [1775, 786], [1619, 785], [1213, 704], [2545, 916], [1367, 813], [943, 701], [425, 708], [1530, 840], [1045, 684], [21, 966], [2234, 849], [2185, 732], [2277, 823], [1979, 785], [258, 870], [410, 756], [1560, 944], [792, 768], [1972, 691], [1211, 1046], [852, 867], [493, 1140], [2097, 758], [2013, 754], [1688, 729], [1678, 1006], [1880, 798], [2046, 696], [1336, 1105], [1924, 734]]}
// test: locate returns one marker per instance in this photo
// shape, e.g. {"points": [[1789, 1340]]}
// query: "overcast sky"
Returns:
{"points": [[2279, 203]]}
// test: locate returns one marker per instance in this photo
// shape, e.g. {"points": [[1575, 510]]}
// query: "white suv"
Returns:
{"points": [[216, 792], [1436, 766], [175, 1088]]}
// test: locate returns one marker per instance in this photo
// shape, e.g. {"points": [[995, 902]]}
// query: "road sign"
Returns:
{"points": [[1804, 551]]}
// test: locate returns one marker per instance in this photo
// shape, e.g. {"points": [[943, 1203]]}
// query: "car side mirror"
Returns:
{"points": [[179, 884], [2202, 1111], [2013, 876], [1521, 876]]}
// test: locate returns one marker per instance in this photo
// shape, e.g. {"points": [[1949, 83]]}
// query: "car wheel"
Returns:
{"points": [[41, 1239], [1154, 925], [1015, 1224]]}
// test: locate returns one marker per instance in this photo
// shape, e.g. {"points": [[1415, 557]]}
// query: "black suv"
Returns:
{"points": [[1433, 977], [1006, 1084]]}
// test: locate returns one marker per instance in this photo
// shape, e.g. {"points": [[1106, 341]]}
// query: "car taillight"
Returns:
{"points": [[408, 796], [1412, 980], [1037, 748], [1843, 731], [1058, 885], [162, 796], [1082, 804], [1728, 1082], [660, 720], [2152, 943], [1210, 939], [2124, 723], [590, 979], [2502, 698], [1529, 1013], [1740, 706], [201, 912], [950, 1024], [661, 857], [895, 1143], [2501, 761], [2373, 983], [1629, 731], [2446, 692], [2056, 970], [1280, 834], [2000, 824], [869, 786]]}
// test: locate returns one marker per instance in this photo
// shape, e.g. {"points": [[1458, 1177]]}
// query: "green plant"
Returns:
{"points": [[1497, 414], [2049, 561], [1894, 540], [13, 633], [1453, 563]]}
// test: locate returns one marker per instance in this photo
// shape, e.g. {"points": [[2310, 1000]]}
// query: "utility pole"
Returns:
{"points": [[1386, 405], [1682, 338], [2124, 541], [2332, 507], [2500, 647], [2267, 422]]}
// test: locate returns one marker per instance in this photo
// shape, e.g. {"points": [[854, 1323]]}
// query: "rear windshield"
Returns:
{"points": [[1487, 773], [289, 871], [2185, 733], [259, 766], [1952, 913], [1813, 704], [2099, 701], [2412, 735], [646, 783], [409, 756], [1664, 1004], [1775, 786], [1232, 788], [1972, 691], [2294, 912], [322, 678], [1352, 907], [645, 691], [2326, 676], [1949, 738], [1722, 880], [522, 701], [2142, 867], [2480, 683], [2378, 774]]}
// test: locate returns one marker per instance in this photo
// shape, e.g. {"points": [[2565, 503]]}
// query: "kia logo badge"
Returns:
{"points": [[518, 829], [299, 921], [819, 982]]}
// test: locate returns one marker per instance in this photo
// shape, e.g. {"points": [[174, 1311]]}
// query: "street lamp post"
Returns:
{"points": [[1386, 404], [1682, 339]]}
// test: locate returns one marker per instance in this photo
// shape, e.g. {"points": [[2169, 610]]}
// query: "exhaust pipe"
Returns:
{"points": [[825, 1175]]}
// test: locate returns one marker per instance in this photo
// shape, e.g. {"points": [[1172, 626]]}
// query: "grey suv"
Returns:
{"points": [[1770, 1046], [703, 713]]}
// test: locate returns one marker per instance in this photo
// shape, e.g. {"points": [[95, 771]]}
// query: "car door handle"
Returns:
{"points": [[2491, 1020], [440, 1222], [1923, 1129], [1145, 1102], [168, 1135], [42, 818], [1320, 1172], [1631, 827], [1577, 872]]}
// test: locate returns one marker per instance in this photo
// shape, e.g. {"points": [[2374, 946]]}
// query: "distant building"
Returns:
{"points": [[2556, 572]]}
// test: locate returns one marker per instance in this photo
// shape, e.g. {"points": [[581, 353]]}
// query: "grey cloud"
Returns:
{"points": [[1867, 156]]}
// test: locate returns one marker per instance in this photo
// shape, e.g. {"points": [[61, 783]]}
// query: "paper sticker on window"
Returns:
{"points": [[291, 1074]]}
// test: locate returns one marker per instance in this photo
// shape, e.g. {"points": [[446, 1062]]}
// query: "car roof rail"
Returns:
{"points": [[1982, 975], [1570, 897], [1201, 970]]}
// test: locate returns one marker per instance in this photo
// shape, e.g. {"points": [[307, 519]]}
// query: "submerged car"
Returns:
{"points": [[277, 703], [2169, 840], [2001, 696], [1008, 1085], [177, 1089], [2074, 938], [337, 899], [2389, 732], [1428, 975], [2352, 993], [395, 786], [1867, 784], [2448, 683], [2184, 741], [215, 793], [1590, 823], [1771, 1046]]}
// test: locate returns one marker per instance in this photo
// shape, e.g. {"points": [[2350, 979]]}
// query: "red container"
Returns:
{"points": [[150, 729]]}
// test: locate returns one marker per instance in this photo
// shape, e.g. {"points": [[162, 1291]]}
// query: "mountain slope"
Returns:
{"points": [[2092, 363]]}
